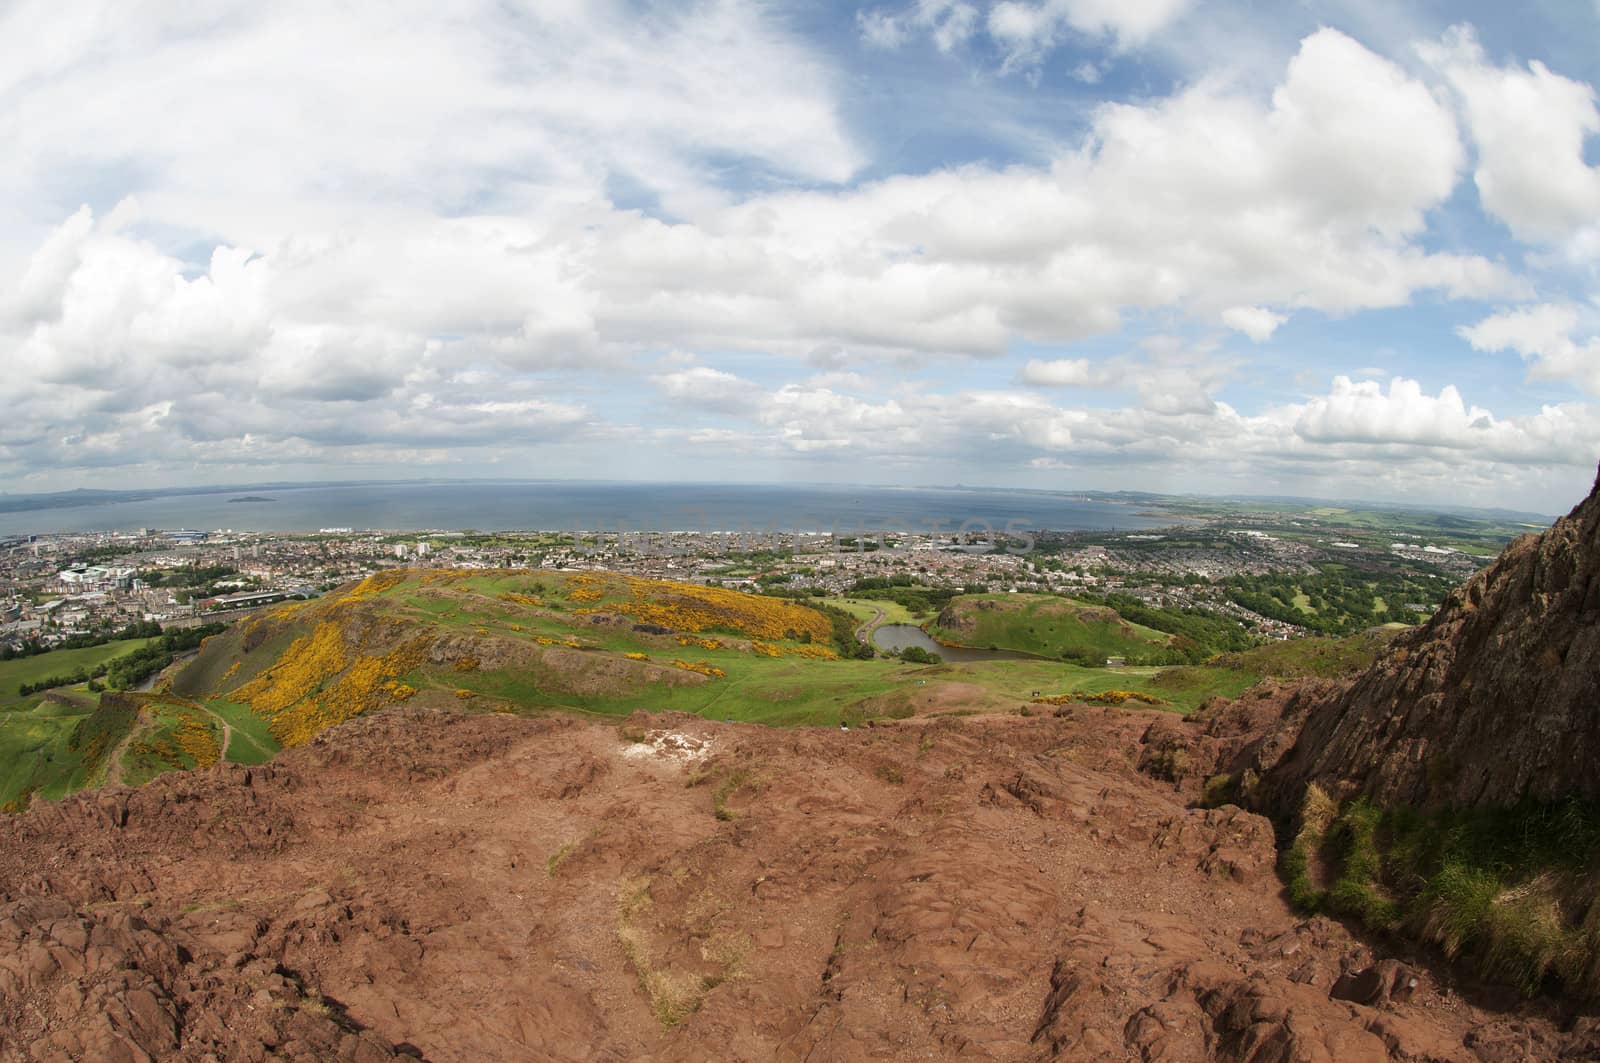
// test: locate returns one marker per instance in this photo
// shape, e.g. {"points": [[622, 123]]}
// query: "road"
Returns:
{"points": [[864, 632]]}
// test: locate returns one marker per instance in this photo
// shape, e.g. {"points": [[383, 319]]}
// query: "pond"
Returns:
{"points": [[896, 637]]}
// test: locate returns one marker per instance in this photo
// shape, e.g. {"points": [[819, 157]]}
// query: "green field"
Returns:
{"points": [[14, 673]]}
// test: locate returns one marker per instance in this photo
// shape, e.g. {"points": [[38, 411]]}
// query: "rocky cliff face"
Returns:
{"points": [[1496, 699]]}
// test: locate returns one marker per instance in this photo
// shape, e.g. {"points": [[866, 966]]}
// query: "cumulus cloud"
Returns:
{"points": [[1529, 125], [453, 267], [1357, 438], [1257, 322], [1544, 336], [707, 388]]}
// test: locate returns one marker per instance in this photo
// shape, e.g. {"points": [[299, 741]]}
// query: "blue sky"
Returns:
{"points": [[1344, 249]]}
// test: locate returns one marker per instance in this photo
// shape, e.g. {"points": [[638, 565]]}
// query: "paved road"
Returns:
{"points": [[864, 632]]}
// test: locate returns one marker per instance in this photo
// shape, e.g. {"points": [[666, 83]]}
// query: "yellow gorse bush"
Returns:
{"points": [[695, 640], [694, 608], [700, 666], [1105, 697], [196, 737], [316, 684]]}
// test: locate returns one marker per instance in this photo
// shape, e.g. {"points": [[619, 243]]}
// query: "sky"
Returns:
{"points": [[1345, 249]]}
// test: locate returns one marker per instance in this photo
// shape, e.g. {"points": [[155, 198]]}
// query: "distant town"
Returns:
{"points": [[1279, 574]]}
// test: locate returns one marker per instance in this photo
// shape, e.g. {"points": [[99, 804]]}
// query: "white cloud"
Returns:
{"points": [[1257, 322], [1358, 439], [1024, 31], [1027, 30], [707, 388], [1543, 336], [949, 23], [1529, 126], [236, 119], [458, 264], [1062, 373], [1363, 412]]}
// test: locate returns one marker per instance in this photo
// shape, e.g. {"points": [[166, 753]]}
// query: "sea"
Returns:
{"points": [[594, 506]]}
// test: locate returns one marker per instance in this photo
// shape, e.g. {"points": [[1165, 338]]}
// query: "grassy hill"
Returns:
{"points": [[531, 641], [1046, 625]]}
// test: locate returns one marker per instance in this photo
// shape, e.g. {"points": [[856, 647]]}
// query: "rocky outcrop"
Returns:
{"points": [[1493, 701]]}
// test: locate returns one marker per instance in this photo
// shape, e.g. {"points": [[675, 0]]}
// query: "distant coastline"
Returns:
{"points": [[252, 498]]}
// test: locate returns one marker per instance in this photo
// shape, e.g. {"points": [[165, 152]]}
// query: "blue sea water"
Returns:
{"points": [[569, 506]]}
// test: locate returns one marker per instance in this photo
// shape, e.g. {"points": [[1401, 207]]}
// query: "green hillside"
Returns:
{"points": [[532, 641], [1045, 625]]}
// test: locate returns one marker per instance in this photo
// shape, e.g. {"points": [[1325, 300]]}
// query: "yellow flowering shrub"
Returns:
{"points": [[374, 585], [812, 651], [316, 684], [704, 644], [700, 666], [466, 664], [464, 694], [637, 656], [585, 588], [304, 667], [195, 737], [695, 608], [546, 640], [1105, 697]]}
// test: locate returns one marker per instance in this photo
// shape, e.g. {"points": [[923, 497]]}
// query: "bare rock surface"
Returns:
{"points": [[495, 888]]}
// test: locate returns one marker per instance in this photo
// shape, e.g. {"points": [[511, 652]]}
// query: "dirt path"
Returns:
{"points": [[227, 731]]}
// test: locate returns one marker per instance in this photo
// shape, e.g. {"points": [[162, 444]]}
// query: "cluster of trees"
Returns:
{"points": [[185, 575], [907, 592], [193, 581], [139, 629], [842, 631], [129, 670]]}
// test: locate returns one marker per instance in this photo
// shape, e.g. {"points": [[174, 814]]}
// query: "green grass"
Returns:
{"points": [[1047, 626], [253, 742], [1509, 891], [864, 609], [50, 752], [14, 673], [1318, 656], [155, 751], [36, 754]]}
